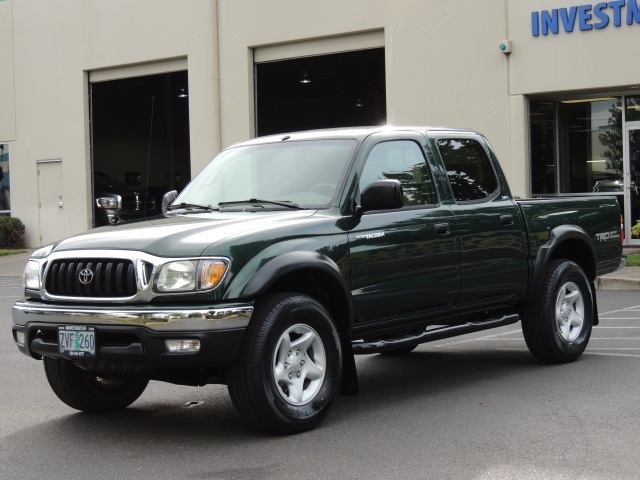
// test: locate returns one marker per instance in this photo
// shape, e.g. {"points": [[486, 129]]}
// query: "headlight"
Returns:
{"points": [[109, 202], [190, 275], [32, 276]]}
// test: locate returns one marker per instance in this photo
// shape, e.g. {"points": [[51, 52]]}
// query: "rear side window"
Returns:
{"points": [[401, 160], [470, 173]]}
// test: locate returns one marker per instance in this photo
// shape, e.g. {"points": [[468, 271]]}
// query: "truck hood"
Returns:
{"points": [[181, 235]]}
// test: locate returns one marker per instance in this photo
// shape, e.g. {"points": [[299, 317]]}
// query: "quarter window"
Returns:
{"points": [[469, 170], [401, 160]]}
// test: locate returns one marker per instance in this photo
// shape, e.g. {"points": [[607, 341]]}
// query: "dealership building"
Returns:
{"points": [[144, 93]]}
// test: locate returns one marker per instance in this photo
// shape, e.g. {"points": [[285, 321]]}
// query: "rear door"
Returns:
{"points": [[493, 258], [405, 261]]}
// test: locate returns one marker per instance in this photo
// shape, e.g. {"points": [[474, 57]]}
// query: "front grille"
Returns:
{"points": [[134, 202], [109, 278]]}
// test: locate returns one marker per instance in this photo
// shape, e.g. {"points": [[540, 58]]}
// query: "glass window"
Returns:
{"points": [[591, 145], [469, 170], [306, 173], [633, 108], [401, 160], [542, 120], [5, 184]]}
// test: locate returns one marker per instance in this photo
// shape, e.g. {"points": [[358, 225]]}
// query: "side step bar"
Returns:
{"points": [[377, 346]]}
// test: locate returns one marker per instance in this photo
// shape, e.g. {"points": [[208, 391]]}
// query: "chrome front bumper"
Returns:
{"points": [[168, 319]]}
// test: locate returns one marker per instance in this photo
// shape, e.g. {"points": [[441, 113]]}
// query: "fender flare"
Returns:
{"points": [[289, 262], [558, 235]]}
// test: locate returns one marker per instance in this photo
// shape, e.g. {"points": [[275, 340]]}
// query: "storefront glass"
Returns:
{"points": [[543, 146], [5, 198], [633, 108], [589, 143], [590, 146]]}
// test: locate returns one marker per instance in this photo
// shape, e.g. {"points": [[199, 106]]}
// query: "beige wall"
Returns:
{"points": [[7, 104], [589, 59], [443, 67], [55, 45]]}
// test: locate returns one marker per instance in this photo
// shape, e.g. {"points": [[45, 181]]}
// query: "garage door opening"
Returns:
{"points": [[323, 91], [140, 143]]}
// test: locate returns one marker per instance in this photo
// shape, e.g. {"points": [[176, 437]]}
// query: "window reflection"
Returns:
{"points": [[633, 108], [543, 146], [591, 145], [5, 198]]}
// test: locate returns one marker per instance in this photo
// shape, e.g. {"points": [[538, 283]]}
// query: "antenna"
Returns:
{"points": [[146, 182]]}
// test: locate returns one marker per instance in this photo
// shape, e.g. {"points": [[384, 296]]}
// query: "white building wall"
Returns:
{"points": [[7, 103], [581, 59], [55, 45], [443, 67]]}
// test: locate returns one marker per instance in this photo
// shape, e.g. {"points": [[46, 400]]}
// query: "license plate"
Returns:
{"points": [[77, 340]]}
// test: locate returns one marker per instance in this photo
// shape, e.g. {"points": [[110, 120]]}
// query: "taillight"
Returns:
{"points": [[622, 228]]}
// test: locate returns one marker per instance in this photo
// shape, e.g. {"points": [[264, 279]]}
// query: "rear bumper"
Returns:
{"points": [[132, 340]]}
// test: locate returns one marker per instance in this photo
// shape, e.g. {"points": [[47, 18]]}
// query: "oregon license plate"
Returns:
{"points": [[77, 340]]}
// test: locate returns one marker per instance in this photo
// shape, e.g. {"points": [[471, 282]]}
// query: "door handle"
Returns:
{"points": [[506, 220], [443, 229]]}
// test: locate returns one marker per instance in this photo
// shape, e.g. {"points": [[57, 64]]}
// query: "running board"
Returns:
{"points": [[377, 346]]}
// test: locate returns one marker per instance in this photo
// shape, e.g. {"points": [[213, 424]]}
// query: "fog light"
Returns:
{"points": [[182, 346], [20, 337]]}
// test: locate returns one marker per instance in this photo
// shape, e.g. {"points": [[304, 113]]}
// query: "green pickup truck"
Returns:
{"points": [[288, 255]]}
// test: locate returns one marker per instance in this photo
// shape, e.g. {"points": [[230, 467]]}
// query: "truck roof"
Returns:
{"points": [[357, 133]]}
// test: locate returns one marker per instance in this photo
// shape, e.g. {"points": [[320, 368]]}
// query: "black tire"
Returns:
{"points": [[557, 326], [400, 351], [88, 392], [258, 380]]}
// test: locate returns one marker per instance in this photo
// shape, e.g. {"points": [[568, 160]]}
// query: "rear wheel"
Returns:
{"points": [[290, 364], [557, 326], [89, 392]]}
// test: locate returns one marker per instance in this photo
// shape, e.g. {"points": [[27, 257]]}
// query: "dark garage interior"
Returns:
{"points": [[140, 141], [324, 91]]}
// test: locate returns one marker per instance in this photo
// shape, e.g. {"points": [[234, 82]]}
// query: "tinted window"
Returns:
{"points": [[401, 160], [469, 169]]}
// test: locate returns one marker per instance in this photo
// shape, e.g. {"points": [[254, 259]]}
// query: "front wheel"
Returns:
{"points": [[89, 392], [290, 365], [557, 325]]}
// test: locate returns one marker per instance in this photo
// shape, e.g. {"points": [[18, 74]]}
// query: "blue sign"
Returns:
{"points": [[585, 17]]}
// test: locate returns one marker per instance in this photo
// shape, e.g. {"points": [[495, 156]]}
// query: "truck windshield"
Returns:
{"points": [[304, 173]]}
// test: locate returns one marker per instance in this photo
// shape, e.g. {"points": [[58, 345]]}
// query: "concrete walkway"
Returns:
{"points": [[626, 279]]}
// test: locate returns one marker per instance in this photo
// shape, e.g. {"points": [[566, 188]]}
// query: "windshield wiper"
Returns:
{"points": [[281, 203], [192, 206]]}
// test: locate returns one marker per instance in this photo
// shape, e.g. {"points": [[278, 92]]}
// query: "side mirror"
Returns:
{"points": [[167, 199], [382, 195]]}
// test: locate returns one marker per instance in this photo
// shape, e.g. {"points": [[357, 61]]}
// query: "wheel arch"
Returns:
{"points": [[304, 272], [318, 276], [568, 242]]}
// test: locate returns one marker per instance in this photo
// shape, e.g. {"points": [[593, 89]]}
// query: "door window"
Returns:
{"points": [[469, 170], [401, 160]]}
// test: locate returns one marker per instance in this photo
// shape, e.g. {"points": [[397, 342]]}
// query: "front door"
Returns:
{"points": [[404, 262], [632, 183]]}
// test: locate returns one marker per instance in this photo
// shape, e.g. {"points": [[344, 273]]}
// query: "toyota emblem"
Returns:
{"points": [[85, 276]]}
